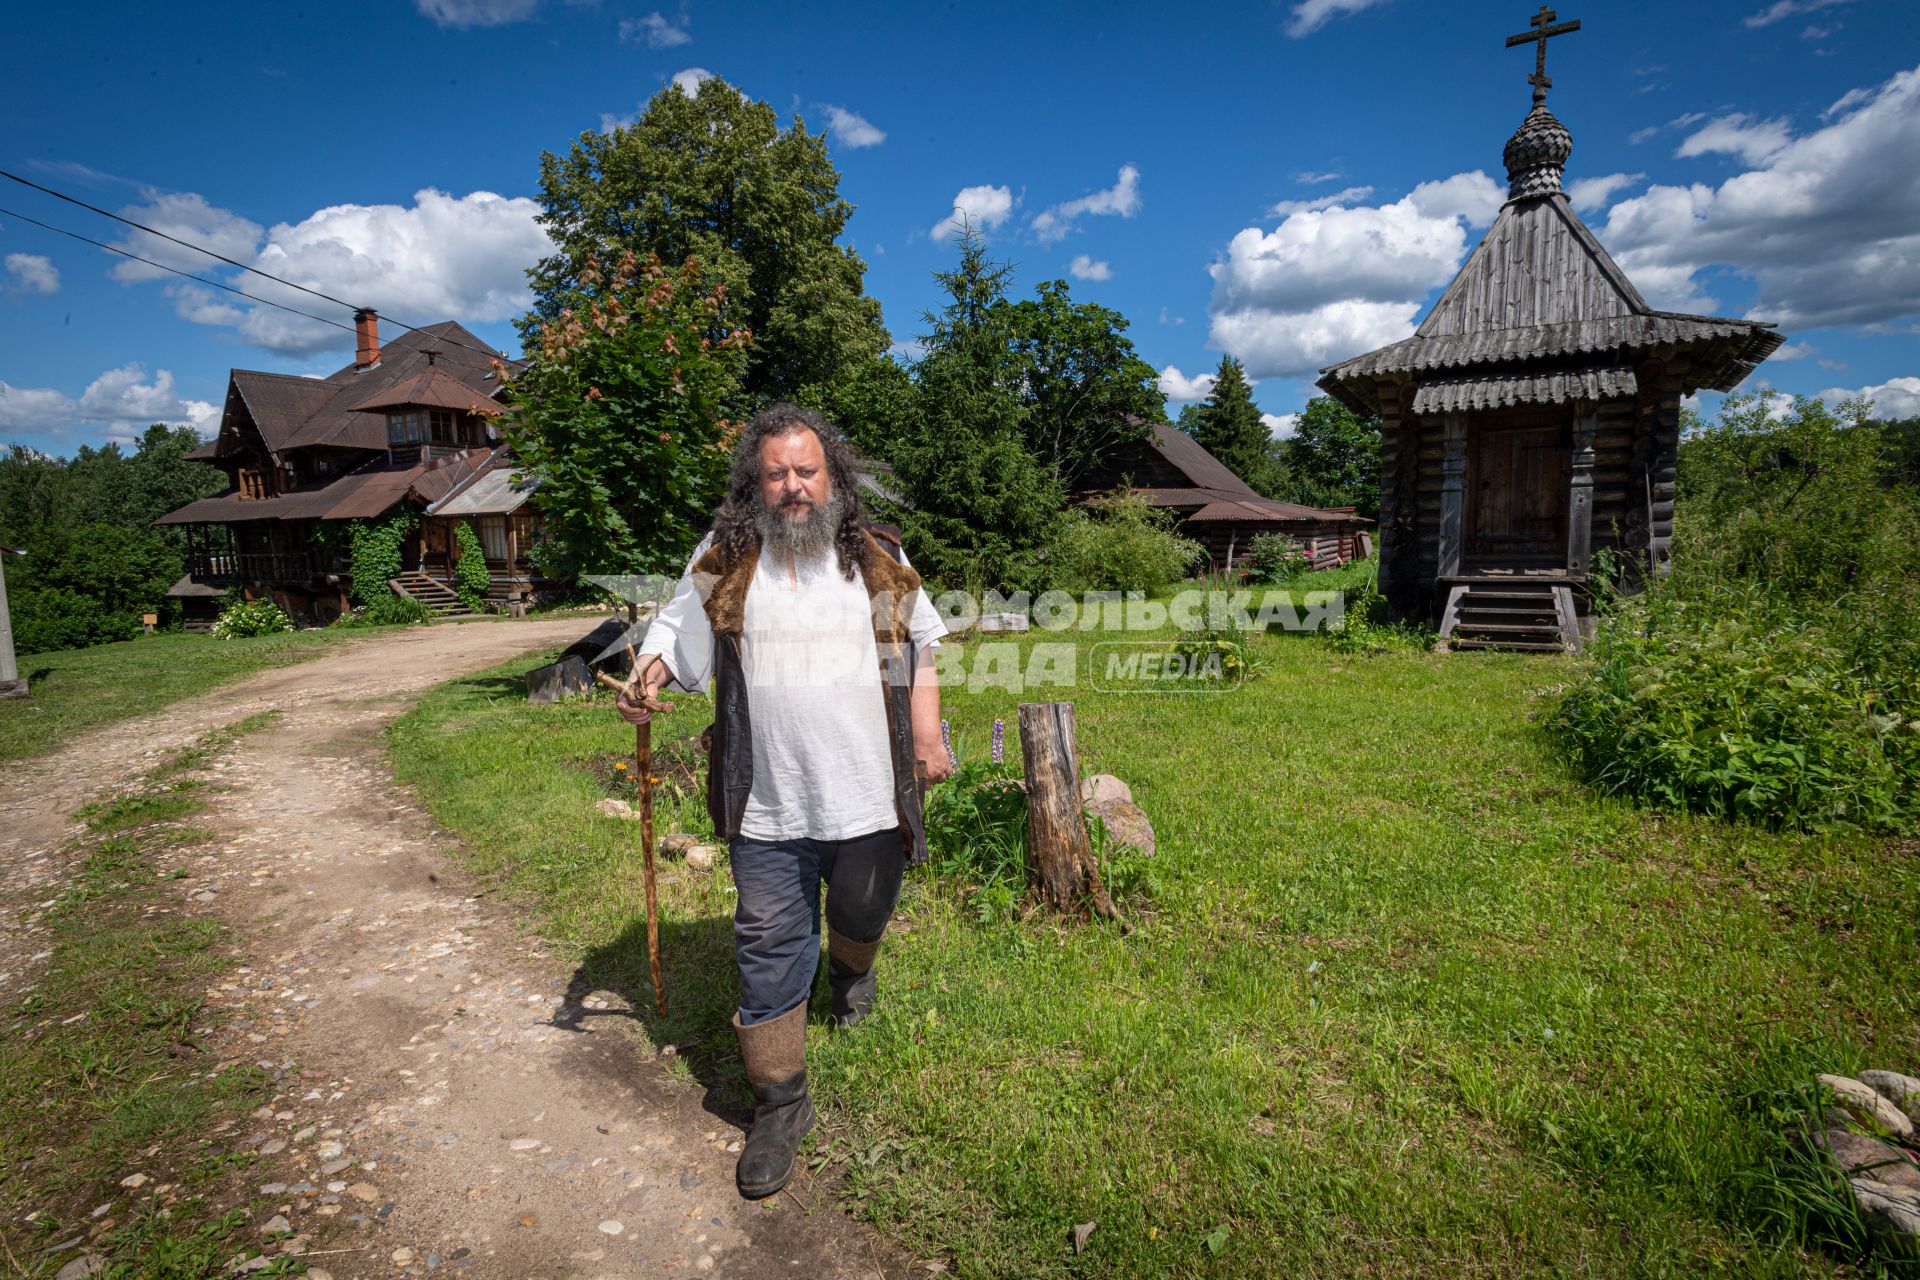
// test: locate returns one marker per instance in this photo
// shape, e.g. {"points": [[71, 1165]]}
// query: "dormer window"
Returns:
{"points": [[406, 427]]}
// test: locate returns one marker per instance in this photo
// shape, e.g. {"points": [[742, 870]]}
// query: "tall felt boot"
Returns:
{"points": [[775, 1053], [850, 977]]}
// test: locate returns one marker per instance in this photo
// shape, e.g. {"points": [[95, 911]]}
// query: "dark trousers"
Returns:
{"points": [[776, 920]]}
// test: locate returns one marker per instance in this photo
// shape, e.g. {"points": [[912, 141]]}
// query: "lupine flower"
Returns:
{"points": [[946, 738], [999, 741]]}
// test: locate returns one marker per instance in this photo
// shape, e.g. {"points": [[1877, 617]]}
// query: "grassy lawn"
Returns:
{"points": [[74, 690], [99, 1077], [1397, 997]]}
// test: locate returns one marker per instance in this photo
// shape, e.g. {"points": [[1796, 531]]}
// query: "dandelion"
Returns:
{"points": [[622, 766], [999, 741]]}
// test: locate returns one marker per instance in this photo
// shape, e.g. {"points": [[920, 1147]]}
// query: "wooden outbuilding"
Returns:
{"points": [[1533, 418], [1216, 508]]}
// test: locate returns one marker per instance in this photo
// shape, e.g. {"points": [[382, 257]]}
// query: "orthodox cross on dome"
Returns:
{"points": [[1543, 31]]}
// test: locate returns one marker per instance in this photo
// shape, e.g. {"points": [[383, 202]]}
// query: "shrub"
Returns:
{"points": [[389, 610], [1774, 675], [376, 554], [1277, 558], [470, 578], [251, 618], [1127, 546], [50, 618]]}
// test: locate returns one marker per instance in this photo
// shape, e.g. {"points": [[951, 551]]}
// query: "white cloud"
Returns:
{"points": [[1828, 228], [1181, 389], [1783, 9], [852, 130], [1352, 195], [33, 273], [188, 216], [1122, 199], [442, 258], [1588, 194], [1280, 425], [1328, 284], [1472, 196], [655, 31], [477, 13], [1792, 351], [1314, 177], [1754, 141], [123, 401], [1086, 268], [1894, 398], [986, 207], [1167, 317], [688, 80], [1311, 15]]}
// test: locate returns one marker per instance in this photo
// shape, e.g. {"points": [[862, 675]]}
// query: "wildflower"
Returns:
{"points": [[946, 738], [999, 741], [622, 766], [654, 781], [593, 393]]}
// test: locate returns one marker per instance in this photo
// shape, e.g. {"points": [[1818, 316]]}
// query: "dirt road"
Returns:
{"points": [[441, 1111]]}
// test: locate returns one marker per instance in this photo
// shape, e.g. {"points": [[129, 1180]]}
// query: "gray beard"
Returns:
{"points": [[805, 539]]}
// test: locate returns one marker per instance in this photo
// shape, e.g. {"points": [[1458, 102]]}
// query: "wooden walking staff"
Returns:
{"points": [[643, 762]]}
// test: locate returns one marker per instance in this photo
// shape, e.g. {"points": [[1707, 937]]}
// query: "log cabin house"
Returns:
{"points": [[407, 426], [1533, 418], [1216, 508]]}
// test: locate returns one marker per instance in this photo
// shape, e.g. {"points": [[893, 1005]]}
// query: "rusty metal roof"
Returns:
{"points": [[434, 389]]}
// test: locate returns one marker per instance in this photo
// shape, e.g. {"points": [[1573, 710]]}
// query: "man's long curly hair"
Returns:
{"points": [[734, 524]]}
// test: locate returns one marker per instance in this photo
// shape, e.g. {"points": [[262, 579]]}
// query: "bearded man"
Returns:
{"points": [[818, 638]]}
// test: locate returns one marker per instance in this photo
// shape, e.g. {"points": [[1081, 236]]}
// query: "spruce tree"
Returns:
{"points": [[1229, 425]]}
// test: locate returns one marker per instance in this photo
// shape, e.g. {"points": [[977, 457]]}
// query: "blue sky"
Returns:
{"points": [[1290, 182]]}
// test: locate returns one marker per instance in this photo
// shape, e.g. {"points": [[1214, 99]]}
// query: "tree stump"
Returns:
{"points": [[1060, 863]]}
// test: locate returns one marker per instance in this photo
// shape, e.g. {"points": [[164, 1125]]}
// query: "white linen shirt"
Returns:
{"points": [[821, 766]]}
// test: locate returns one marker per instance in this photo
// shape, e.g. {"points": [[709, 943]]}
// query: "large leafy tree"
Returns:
{"points": [[981, 506], [624, 415], [1229, 426], [1086, 389], [1331, 460], [712, 175]]}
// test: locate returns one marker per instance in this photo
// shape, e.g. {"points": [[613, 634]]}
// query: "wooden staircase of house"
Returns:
{"points": [[1510, 613], [439, 598]]}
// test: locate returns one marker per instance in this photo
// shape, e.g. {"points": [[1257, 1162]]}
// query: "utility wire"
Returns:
{"points": [[221, 257], [8, 213]]}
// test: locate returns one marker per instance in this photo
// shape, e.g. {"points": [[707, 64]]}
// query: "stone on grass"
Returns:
{"points": [[1864, 1157], [701, 857], [1096, 787], [1902, 1091], [675, 843], [83, 1267], [1127, 824], [1868, 1107], [133, 1182], [1894, 1210], [612, 808], [549, 684], [277, 1225]]}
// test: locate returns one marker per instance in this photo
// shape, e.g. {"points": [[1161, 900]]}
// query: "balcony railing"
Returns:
{"points": [[271, 566]]}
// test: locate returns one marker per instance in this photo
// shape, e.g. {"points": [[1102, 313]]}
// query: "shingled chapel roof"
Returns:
{"points": [[1541, 313]]}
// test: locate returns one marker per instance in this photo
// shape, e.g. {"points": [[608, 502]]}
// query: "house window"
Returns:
{"points": [[444, 429], [493, 536], [408, 426]]}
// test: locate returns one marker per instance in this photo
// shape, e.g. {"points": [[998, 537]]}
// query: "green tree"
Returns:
{"points": [[713, 176], [982, 508], [1086, 389], [623, 414], [34, 489], [1331, 460], [1229, 426]]}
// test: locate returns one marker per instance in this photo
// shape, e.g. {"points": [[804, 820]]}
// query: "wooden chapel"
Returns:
{"points": [[1533, 417]]}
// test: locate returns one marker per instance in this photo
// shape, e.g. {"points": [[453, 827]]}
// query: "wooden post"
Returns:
{"points": [[1059, 855], [1586, 425], [11, 685], [1453, 495]]}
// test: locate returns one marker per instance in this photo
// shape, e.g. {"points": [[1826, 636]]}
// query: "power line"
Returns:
{"points": [[221, 257], [47, 226]]}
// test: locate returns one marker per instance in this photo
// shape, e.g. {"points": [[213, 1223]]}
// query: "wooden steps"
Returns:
{"points": [[1529, 617], [439, 598]]}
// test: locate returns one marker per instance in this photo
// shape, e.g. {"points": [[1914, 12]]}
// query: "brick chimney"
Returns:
{"points": [[366, 328]]}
